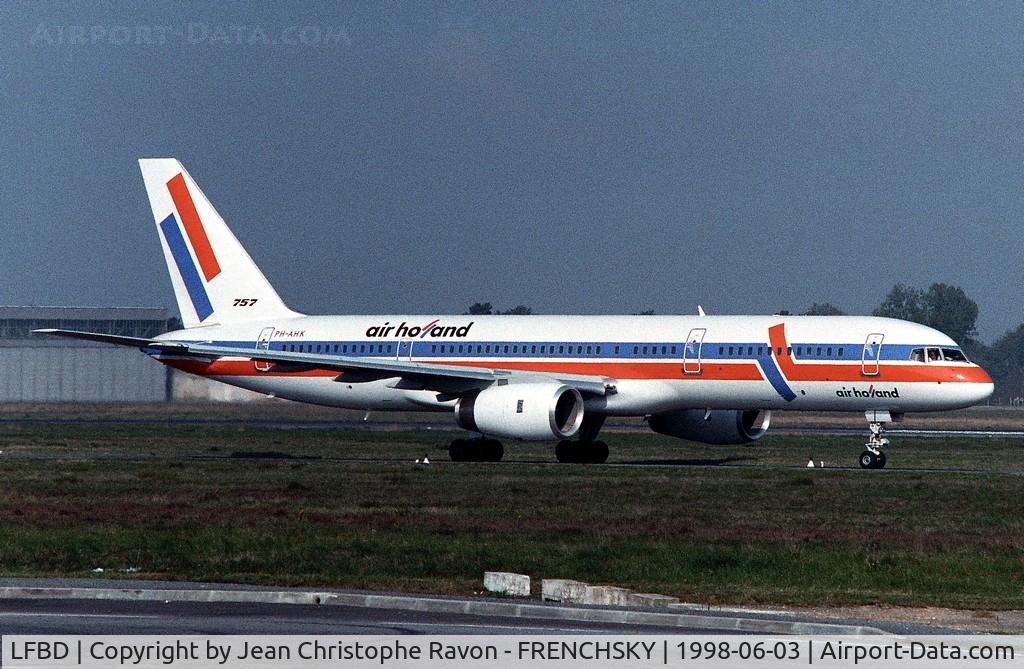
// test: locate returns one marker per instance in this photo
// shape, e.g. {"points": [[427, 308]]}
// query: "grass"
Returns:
{"points": [[349, 508]]}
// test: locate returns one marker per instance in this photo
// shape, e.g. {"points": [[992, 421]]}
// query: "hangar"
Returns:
{"points": [[34, 368]]}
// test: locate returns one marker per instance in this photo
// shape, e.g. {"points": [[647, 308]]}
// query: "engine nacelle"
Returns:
{"points": [[531, 411], [721, 427]]}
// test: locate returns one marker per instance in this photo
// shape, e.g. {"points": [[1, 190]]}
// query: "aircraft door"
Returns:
{"points": [[404, 350], [692, 350], [263, 344], [871, 355]]}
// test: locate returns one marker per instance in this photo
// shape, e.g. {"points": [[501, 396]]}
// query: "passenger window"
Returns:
{"points": [[840, 351], [645, 350], [750, 350], [664, 350], [778, 350], [589, 350], [760, 351], [721, 350], [598, 350], [533, 349], [818, 352], [635, 350], [830, 351], [362, 348], [561, 348], [730, 350], [616, 350], [673, 350], [799, 350]]}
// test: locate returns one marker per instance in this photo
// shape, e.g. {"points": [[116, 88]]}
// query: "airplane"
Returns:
{"points": [[705, 378]]}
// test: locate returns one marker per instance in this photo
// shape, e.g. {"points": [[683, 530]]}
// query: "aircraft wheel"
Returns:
{"points": [[566, 451], [492, 450], [597, 452], [881, 461], [868, 460], [457, 450]]}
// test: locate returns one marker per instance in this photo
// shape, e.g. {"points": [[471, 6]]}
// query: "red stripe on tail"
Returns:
{"points": [[193, 227]]}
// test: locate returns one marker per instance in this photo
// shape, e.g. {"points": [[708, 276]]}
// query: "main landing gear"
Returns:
{"points": [[586, 450], [476, 450], [582, 452], [873, 457]]}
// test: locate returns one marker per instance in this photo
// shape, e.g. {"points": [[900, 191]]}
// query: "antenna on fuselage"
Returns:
{"points": [[700, 311]]}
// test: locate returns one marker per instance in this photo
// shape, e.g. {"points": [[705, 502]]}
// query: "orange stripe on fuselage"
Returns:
{"points": [[647, 371], [887, 373], [618, 370]]}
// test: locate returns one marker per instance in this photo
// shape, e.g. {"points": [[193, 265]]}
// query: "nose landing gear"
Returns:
{"points": [[873, 457]]}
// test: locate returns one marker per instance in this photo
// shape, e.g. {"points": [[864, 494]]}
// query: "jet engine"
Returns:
{"points": [[721, 426], [530, 411]]}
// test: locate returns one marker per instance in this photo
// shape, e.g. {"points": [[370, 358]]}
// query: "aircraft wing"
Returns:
{"points": [[359, 367]]}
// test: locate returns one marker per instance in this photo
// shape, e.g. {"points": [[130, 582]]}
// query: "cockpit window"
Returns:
{"points": [[953, 355], [917, 355], [934, 355]]}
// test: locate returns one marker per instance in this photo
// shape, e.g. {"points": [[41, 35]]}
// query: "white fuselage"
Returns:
{"points": [[655, 363]]}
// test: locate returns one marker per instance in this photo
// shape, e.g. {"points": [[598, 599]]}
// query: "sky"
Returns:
{"points": [[592, 157]]}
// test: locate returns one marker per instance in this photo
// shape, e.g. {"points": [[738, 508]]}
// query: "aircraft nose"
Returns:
{"points": [[984, 388]]}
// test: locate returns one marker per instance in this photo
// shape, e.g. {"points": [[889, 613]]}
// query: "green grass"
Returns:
{"points": [[726, 525]]}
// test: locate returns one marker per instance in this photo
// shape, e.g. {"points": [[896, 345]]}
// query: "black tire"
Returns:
{"points": [[457, 450], [595, 452], [492, 450], [881, 461], [868, 460], [566, 451]]}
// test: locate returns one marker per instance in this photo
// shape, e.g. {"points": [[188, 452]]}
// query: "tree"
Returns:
{"points": [[902, 302], [486, 309], [519, 310], [1005, 363], [824, 309], [949, 310], [943, 307]]}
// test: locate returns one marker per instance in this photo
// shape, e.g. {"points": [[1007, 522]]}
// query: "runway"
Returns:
{"points": [[125, 617], [96, 606]]}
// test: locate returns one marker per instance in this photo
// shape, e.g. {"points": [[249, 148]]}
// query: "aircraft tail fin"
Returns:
{"points": [[215, 281]]}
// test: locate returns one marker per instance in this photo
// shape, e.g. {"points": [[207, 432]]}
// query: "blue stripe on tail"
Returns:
{"points": [[186, 267]]}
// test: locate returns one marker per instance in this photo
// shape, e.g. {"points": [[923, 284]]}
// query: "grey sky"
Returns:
{"points": [[579, 158]]}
